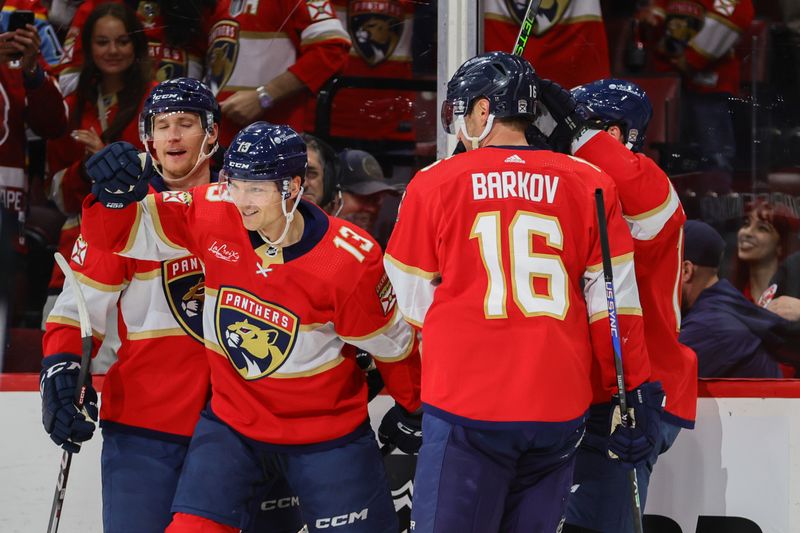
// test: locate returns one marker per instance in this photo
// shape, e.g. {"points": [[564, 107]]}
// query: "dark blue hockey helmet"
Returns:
{"points": [[266, 152], [506, 80], [179, 95], [618, 102]]}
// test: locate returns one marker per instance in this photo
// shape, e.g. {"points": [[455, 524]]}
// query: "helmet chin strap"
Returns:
{"points": [[288, 215], [475, 141]]}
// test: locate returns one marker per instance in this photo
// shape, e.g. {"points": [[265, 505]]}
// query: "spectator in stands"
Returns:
{"points": [[568, 44], [114, 81], [268, 60], [28, 97], [50, 46], [731, 336], [175, 33], [698, 42], [363, 188], [323, 163], [764, 240]]}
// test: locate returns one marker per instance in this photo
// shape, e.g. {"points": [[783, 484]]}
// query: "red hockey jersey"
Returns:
{"points": [[65, 158], [568, 44], [488, 256], [381, 32], [160, 381], [274, 325], [168, 62], [710, 30], [37, 104], [655, 216], [253, 41]]}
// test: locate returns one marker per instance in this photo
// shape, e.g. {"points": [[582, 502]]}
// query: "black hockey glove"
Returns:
{"points": [[58, 380], [402, 429], [371, 373], [561, 118], [119, 175], [633, 444]]}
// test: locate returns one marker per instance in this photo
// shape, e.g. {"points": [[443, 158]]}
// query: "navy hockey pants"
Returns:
{"points": [[602, 497], [483, 481], [140, 475], [344, 489]]}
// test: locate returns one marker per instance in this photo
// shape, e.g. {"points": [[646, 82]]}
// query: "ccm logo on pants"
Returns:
{"points": [[282, 503], [341, 520]]}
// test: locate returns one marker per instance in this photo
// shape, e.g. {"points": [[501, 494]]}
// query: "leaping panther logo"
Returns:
{"points": [[257, 336]]}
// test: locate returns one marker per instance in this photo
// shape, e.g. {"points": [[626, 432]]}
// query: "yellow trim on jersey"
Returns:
{"points": [[71, 222], [654, 211], [412, 321], [66, 321], [414, 271], [156, 334], [134, 230], [89, 282], [212, 292], [331, 36], [312, 327], [614, 261], [152, 274], [214, 347], [629, 311], [263, 35], [375, 333], [151, 203], [403, 355], [318, 370], [580, 18]]}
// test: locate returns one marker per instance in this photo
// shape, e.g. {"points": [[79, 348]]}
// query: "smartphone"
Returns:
{"points": [[18, 20]]}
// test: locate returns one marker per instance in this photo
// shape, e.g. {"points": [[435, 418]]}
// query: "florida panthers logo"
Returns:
{"points": [[223, 49], [375, 27], [548, 15], [184, 287], [257, 336]]}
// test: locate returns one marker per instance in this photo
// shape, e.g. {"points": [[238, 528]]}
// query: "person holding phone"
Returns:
{"points": [[28, 96], [17, 13]]}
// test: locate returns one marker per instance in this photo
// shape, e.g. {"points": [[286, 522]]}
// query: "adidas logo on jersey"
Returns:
{"points": [[514, 159]]}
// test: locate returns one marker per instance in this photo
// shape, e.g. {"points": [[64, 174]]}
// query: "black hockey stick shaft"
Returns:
{"points": [[611, 300], [525, 29], [80, 392]]}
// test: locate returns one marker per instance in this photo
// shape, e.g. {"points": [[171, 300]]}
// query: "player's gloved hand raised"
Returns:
{"points": [[119, 175], [371, 373], [402, 429], [633, 444], [561, 118], [62, 420]]}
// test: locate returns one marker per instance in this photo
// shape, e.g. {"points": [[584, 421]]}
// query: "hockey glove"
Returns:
{"points": [[402, 429], [119, 175], [634, 443], [371, 373], [62, 420], [561, 118]]}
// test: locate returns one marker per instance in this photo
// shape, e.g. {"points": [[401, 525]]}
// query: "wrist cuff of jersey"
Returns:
{"points": [[55, 359], [583, 136]]}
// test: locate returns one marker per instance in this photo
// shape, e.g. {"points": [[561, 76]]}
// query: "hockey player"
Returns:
{"points": [[651, 206], [286, 287], [154, 392], [501, 242]]}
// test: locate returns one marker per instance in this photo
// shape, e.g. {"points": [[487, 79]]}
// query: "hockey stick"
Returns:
{"points": [[528, 22], [611, 300], [80, 391]]}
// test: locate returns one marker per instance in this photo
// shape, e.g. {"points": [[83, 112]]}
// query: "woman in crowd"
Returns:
{"points": [[114, 81], [763, 241]]}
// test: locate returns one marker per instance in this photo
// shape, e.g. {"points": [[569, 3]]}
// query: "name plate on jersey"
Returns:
{"points": [[257, 336], [185, 289]]}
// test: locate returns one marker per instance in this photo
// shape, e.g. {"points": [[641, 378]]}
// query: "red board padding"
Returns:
{"points": [[748, 388], [707, 388], [30, 382]]}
